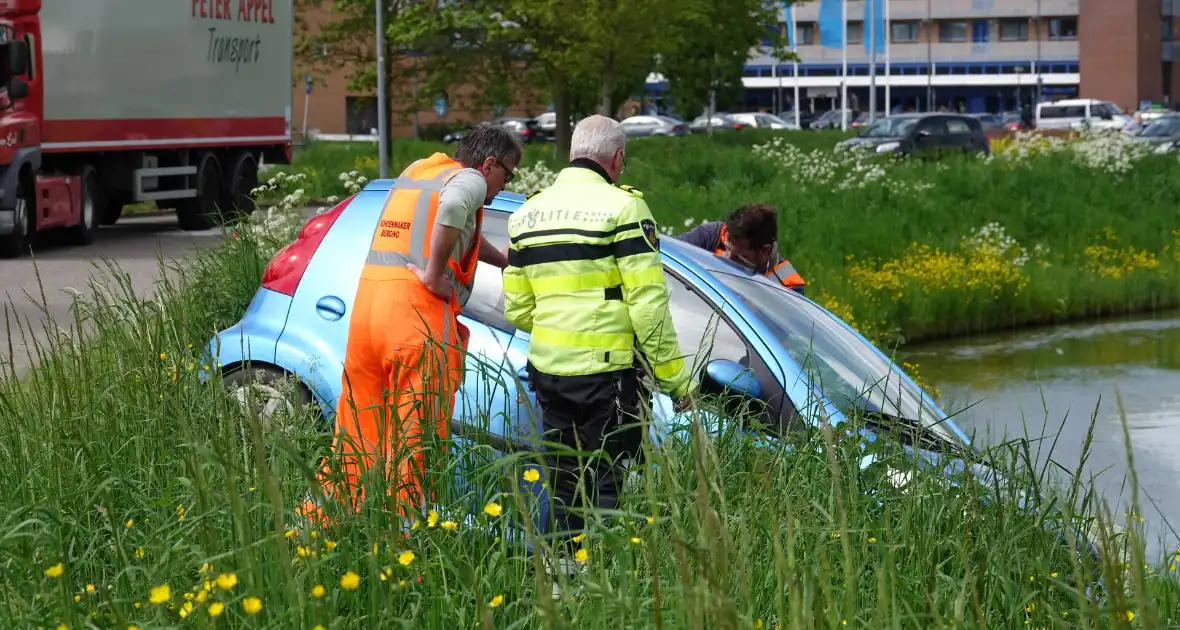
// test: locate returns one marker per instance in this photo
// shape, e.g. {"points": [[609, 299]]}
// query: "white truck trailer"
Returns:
{"points": [[106, 103]]}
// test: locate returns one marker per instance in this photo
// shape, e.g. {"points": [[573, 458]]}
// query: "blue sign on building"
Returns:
{"points": [[307, 78], [440, 106]]}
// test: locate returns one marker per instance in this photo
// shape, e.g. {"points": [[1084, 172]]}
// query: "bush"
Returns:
{"points": [[1049, 229]]}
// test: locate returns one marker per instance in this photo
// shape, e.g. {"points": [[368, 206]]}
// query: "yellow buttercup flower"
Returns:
{"points": [[330, 545], [450, 526], [350, 581], [318, 590], [216, 608], [160, 594], [405, 558], [55, 570], [493, 509], [431, 518], [531, 475], [251, 605], [582, 555], [496, 601]]}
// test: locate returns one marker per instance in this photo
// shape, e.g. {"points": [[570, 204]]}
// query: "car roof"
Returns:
{"points": [[688, 255]]}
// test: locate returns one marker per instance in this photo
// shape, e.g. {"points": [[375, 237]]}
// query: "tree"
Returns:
{"points": [[426, 46], [710, 47]]}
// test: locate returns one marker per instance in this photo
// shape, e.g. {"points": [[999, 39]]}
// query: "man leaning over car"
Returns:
{"points": [[748, 237]]}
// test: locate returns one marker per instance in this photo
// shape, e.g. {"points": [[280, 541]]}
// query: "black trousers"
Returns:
{"points": [[586, 413]]}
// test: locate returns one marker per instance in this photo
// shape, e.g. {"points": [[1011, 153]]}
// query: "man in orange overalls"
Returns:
{"points": [[404, 358], [748, 237]]}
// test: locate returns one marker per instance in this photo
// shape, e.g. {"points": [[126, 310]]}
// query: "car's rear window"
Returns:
{"points": [[1056, 111]]}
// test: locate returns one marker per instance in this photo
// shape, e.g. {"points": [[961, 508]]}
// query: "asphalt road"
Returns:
{"points": [[135, 245]]}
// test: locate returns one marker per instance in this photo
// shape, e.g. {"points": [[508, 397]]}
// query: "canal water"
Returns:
{"points": [[1055, 381]]}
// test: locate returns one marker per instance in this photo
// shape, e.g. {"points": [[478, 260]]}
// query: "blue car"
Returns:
{"points": [[749, 337]]}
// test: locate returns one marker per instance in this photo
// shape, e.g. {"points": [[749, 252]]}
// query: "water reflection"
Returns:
{"points": [[1053, 381]]}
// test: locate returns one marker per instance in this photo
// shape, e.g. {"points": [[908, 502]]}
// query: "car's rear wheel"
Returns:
{"points": [[275, 396]]}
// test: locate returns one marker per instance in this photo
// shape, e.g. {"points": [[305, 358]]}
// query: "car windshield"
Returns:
{"points": [[1163, 127], [849, 372], [889, 127]]}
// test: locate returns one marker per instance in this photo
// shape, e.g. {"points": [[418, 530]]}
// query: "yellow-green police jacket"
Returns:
{"points": [[585, 280]]}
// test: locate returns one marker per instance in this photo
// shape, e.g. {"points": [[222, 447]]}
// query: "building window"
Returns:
{"points": [[360, 115], [1013, 30], [952, 31], [805, 34], [904, 32], [855, 32], [1166, 29], [1063, 28]]}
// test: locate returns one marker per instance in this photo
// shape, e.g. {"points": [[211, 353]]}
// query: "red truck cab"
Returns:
{"points": [[109, 103]]}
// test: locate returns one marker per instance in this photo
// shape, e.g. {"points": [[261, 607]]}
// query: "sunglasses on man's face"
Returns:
{"points": [[509, 174]]}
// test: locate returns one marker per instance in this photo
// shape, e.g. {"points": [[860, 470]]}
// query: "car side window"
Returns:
{"points": [[486, 303], [932, 126], [956, 127], [702, 330]]}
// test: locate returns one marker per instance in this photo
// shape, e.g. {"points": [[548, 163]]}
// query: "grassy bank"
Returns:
{"points": [[1042, 233], [138, 496]]}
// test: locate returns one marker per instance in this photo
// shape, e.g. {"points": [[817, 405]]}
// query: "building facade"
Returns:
{"points": [[977, 56]]}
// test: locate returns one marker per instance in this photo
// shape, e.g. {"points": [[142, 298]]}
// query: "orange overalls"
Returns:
{"points": [[784, 270], [403, 342]]}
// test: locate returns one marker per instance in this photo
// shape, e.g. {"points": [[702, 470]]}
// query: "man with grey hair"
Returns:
{"points": [[585, 279]]}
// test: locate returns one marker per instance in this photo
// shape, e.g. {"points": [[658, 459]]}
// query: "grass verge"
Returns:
{"points": [[138, 495]]}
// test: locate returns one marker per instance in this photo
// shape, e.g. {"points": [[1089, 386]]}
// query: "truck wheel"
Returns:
{"points": [[240, 181], [14, 245], [201, 212], [84, 231]]}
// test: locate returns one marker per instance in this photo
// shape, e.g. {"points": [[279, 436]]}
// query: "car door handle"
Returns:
{"points": [[523, 375]]}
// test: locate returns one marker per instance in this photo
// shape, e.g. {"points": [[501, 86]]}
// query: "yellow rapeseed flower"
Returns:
{"points": [[186, 609], [227, 581], [206, 568], [496, 601], [450, 526], [301, 551], [350, 581], [202, 596], [651, 520], [329, 544], [431, 518], [493, 509], [635, 540], [130, 523], [55, 570], [582, 555], [251, 605], [215, 609], [405, 558], [139, 552], [290, 533], [531, 475], [318, 590], [161, 594], [579, 538], [89, 588], [318, 626]]}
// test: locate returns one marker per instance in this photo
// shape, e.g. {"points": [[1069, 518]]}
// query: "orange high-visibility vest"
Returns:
{"points": [[784, 270], [407, 222]]}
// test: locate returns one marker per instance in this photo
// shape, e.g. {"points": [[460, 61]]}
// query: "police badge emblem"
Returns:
{"points": [[650, 234]]}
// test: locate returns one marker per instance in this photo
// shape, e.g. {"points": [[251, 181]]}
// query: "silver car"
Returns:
{"points": [[643, 125]]}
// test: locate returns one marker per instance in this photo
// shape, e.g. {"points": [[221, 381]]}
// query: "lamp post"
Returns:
{"points": [[382, 140]]}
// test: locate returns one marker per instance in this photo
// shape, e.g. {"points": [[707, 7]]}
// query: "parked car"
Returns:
{"points": [[547, 126], [642, 125], [762, 120], [1080, 113], [756, 337], [526, 130], [927, 134], [831, 119], [719, 122], [991, 122], [1163, 132]]}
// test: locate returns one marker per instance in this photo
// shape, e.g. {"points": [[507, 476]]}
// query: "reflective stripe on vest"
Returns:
{"points": [[386, 262]]}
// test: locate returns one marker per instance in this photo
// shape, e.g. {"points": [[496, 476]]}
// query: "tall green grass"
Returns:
{"points": [[1077, 222], [128, 473]]}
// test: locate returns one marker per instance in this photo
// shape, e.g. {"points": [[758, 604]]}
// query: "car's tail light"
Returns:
{"points": [[285, 270]]}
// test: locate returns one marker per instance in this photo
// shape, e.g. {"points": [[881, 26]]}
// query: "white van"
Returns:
{"points": [[1080, 113]]}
